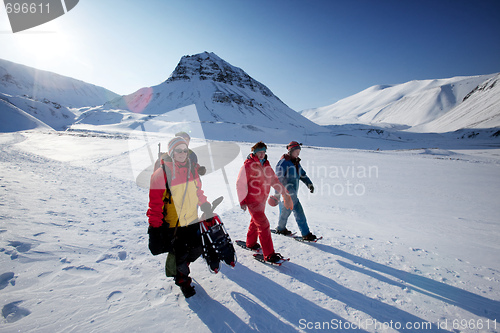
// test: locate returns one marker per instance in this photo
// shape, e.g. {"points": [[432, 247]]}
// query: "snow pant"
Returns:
{"points": [[187, 249], [259, 228], [300, 217]]}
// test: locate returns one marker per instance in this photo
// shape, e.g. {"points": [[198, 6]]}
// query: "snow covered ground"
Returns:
{"points": [[410, 244]]}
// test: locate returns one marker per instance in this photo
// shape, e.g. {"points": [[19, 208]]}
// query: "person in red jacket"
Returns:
{"points": [[176, 207], [254, 182]]}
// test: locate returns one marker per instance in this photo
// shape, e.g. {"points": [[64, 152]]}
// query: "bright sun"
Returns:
{"points": [[49, 45]]}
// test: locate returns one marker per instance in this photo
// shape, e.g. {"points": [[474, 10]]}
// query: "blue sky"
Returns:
{"points": [[310, 53]]}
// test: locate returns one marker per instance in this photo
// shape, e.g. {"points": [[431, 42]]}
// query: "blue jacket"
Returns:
{"points": [[289, 173]]}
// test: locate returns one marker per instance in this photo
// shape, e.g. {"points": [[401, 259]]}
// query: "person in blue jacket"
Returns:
{"points": [[290, 172]]}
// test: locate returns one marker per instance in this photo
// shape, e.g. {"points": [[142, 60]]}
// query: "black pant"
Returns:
{"points": [[188, 248]]}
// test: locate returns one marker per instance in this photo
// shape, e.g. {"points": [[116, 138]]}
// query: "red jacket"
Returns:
{"points": [[255, 181]]}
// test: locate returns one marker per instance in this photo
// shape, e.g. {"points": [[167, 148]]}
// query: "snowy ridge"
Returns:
{"points": [[52, 114], [13, 119], [24, 81], [410, 104], [222, 93], [208, 66], [479, 109]]}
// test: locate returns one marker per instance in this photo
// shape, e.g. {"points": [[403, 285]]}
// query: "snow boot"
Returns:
{"points": [[274, 258], [184, 282], [256, 247], [284, 232], [309, 237], [188, 290]]}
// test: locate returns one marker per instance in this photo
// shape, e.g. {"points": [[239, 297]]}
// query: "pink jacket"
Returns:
{"points": [[255, 181]]}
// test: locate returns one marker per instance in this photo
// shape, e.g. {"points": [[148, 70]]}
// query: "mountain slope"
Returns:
{"points": [[13, 119], [221, 93], [24, 81], [50, 113], [479, 109], [411, 104]]}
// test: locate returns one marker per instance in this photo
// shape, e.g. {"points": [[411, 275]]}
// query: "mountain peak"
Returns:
{"points": [[209, 66]]}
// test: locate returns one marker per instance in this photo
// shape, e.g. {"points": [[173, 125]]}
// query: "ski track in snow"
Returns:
{"points": [[74, 256]]}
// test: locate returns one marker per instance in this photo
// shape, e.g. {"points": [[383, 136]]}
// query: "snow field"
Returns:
{"points": [[419, 245]]}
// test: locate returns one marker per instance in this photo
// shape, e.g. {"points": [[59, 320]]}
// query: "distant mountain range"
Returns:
{"points": [[45, 96], [230, 105], [422, 106]]}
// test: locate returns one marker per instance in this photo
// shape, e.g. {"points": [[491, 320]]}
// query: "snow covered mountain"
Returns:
{"points": [[46, 96], [20, 80], [223, 94], [416, 103], [478, 109], [13, 119]]}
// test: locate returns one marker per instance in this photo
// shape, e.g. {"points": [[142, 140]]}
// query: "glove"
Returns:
{"points": [[287, 200], [160, 239], [202, 170], [273, 200], [311, 188]]}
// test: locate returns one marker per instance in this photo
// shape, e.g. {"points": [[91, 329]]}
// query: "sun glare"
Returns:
{"points": [[48, 44]]}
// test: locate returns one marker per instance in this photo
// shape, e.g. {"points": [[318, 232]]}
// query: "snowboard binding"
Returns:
{"points": [[217, 245]]}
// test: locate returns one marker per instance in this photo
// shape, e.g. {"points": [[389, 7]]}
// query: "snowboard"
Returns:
{"points": [[243, 244], [260, 257]]}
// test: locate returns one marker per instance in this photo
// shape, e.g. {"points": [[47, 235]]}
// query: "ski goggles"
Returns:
{"points": [[257, 150]]}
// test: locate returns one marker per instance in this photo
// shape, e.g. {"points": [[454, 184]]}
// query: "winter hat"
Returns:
{"points": [[174, 143], [183, 135], [293, 146]]}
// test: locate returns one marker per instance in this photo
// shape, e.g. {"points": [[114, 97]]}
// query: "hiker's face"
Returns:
{"points": [[261, 155], [181, 153]]}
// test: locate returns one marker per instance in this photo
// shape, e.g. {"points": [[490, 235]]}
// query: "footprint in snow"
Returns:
{"points": [[104, 257], [20, 246], [5, 278], [81, 269], [122, 255], [114, 300], [12, 313]]}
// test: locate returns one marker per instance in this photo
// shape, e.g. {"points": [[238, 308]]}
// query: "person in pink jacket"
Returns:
{"points": [[254, 182]]}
